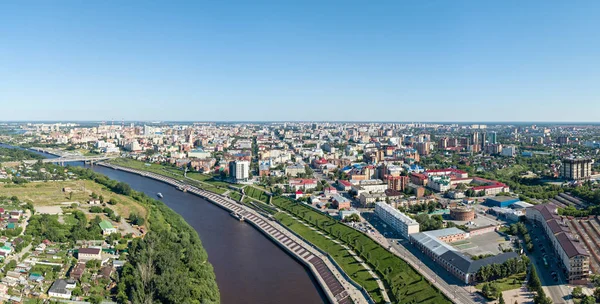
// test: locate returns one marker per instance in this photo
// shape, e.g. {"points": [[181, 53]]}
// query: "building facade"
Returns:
{"points": [[574, 259], [239, 170], [576, 168], [396, 219]]}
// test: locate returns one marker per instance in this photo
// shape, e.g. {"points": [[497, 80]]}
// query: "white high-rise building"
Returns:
{"points": [[240, 170], [398, 220], [509, 151]]}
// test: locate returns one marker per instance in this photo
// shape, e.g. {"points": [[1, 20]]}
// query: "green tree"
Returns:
{"points": [[588, 300], [577, 292]]}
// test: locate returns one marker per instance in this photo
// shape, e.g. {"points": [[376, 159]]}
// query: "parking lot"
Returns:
{"points": [[488, 243]]}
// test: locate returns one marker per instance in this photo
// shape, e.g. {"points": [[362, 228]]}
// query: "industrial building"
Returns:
{"points": [[501, 201], [396, 219]]}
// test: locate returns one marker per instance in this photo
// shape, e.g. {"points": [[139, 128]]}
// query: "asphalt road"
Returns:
{"points": [[557, 290]]}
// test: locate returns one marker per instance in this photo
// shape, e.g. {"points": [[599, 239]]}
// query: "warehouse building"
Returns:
{"points": [[501, 201]]}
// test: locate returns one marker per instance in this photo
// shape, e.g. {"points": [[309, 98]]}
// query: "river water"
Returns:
{"points": [[249, 267]]}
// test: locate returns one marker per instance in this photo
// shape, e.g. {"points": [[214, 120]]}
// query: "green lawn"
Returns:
{"points": [[257, 194], [404, 284], [235, 195], [338, 253], [513, 282]]}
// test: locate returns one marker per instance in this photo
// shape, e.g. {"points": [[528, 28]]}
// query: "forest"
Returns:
{"points": [[10, 154]]}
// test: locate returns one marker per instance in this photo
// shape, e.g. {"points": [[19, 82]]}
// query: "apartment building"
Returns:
{"points": [[396, 219]]}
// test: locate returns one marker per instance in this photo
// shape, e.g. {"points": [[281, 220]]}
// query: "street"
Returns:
{"points": [[557, 290]]}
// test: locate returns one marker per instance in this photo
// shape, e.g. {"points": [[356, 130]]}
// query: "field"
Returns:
{"points": [[256, 194], [47, 194], [512, 282], [404, 284], [235, 196]]}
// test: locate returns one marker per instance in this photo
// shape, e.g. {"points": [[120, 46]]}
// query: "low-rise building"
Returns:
{"points": [[86, 254], [303, 184], [59, 290], [107, 228], [368, 199]]}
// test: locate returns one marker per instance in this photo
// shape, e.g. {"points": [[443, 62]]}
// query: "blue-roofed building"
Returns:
{"points": [[501, 201]]}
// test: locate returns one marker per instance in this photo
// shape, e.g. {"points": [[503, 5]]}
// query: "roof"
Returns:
{"points": [[501, 199], [105, 225], [466, 265], [59, 286], [89, 250], [569, 245], [344, 183], [433, 244], [521, 204], [548, 211], [444, 232]]}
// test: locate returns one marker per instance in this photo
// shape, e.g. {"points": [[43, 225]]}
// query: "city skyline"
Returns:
{"points": [[428, 62]]}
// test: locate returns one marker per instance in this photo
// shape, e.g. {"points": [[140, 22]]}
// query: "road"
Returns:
{"points": [[557, 290]]}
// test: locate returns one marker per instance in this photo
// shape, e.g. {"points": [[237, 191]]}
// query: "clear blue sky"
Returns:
{"points": [[300, 60]]}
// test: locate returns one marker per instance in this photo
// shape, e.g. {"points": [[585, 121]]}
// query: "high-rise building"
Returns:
{"points": [[474, 138], [492, 138], [509, 151], [239, 170], [423, 148], [443, 143], [576, 168], [482, 139], [562, 140]]}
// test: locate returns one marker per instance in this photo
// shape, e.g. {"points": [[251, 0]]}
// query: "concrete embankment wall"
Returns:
{"points": [[306, 263]]}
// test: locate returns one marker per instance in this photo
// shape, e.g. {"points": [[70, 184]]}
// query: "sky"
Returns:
{"points": [[300, 60]]}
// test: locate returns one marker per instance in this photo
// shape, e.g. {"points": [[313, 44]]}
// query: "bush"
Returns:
{"points": [[96, 209]]}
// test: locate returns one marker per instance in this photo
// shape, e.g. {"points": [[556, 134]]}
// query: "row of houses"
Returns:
{"points": [[574, 259]]}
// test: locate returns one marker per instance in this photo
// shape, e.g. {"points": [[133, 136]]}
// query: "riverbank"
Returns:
{"points": [[328, 276]]}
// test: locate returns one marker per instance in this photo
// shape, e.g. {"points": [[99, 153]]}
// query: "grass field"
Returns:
{"points": [[50, 193], [404, 284], [235, 195], [256, 194], [512, 282]]}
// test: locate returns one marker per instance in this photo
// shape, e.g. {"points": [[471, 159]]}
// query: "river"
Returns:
{"points": [[249, 267]]}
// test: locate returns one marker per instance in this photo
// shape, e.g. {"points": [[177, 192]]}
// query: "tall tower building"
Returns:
{"points": [[492, 138], [239, 170]]}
